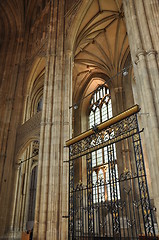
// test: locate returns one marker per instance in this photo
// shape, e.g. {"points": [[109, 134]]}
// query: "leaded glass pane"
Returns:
{"points": [[97, 116], [101, 110], [110, 109], [91, 119], [104, 113], [93, 159], [99, 157]]}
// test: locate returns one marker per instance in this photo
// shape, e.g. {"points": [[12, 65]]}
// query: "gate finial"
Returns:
{"points": [[95, 128]]}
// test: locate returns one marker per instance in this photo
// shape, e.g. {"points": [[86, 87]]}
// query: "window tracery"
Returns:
{"points": [[100, 111]]}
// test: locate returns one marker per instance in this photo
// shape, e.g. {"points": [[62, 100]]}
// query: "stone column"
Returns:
{"points": [[51, 200], [67, 134], [142, 46]]}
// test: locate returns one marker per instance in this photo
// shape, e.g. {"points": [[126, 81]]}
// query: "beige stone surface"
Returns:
{"points": [[60, 51]]}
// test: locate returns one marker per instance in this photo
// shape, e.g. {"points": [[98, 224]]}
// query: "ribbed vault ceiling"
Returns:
{"points": [[15, 15], [102, 43], [12, 14]]}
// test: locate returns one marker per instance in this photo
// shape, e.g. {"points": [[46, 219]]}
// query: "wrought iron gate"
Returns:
{"points": [[115, 205]]}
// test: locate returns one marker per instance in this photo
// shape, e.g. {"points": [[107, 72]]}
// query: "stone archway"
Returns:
{"points": [[25, 187]]}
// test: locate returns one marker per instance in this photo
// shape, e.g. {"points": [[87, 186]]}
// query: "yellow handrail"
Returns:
{"points": [[105, 124]]}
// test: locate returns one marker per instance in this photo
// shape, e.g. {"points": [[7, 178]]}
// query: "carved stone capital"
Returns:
{"points": [[140, 55], [151, 52], [69, 52]]}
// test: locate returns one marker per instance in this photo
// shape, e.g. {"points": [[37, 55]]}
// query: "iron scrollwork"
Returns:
{"points": [[115, 206], [115, 133]]}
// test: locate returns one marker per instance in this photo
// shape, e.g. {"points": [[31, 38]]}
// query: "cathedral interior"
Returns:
{"points": [[79, 119]]}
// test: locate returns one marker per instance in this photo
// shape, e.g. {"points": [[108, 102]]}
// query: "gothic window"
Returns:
{"points": [[32, 197], [100, 111], [40, 105]]}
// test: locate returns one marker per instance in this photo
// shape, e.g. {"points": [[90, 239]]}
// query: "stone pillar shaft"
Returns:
{"points": [[52, 184], [143, 54]]}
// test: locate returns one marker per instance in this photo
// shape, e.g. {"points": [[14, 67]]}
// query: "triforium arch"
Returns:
{"points": [[33, 88], [32, 105], [25, 188], [27, 150]]}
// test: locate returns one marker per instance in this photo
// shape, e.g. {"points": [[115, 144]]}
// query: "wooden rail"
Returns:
{"points": [[105, 124]]}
